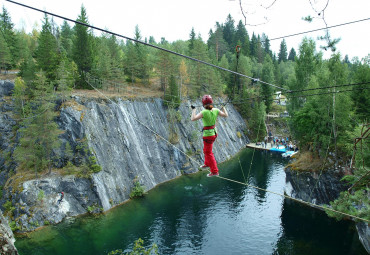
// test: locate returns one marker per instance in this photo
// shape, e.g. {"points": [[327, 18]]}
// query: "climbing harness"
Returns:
{"points": [[209, 128]]}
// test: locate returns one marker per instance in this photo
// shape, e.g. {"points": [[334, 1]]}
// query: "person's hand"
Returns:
{"points": [[192, 107]]}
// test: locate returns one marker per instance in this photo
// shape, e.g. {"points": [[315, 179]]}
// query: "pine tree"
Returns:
{"points": [[19, 95], [361, 98], [39, 135], [5, 56], [241, 35], [292, 54], [203, 78], [172, 96], [217, 43], [66, 39], [83, 48], [260, 54], [46, 54], [184, 79], [141, 53], [267, 76], [306, 66], [192, 39], [229, 32], [253, 46], [7, 30], [266, 45], [283, 52]]}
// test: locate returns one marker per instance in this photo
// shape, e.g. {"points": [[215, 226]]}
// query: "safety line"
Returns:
{"points": [[203, 62], [329, 87], [317, 94], [314, 30], [246, 184], [323, 166], [145, 125], [295, 199], [144, 43]]}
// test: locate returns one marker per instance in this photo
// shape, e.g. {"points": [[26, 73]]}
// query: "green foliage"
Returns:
{"points": [[267, 76], [40, 195], [172, 97], [19, 95], [46, 54], [138, 190], [5, 56], [138, 249], [361, 98], [8, 206], [94, 208], [283, 53], [13, 226], [10, 50], [83, 54], [39, 135], [357, 204], [94, 167]]}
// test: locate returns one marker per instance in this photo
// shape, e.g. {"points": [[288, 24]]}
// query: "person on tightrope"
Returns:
{"points": [[209, 116]]}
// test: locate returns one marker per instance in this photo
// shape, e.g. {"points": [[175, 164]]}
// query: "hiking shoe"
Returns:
{"points": [[212, 174], [203, 167]]}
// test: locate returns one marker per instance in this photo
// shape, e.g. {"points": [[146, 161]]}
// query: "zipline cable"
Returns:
{"points": [[224, 178], [150, 129], [144, 43], [295, 199], [245, 100], [197, 60], [314, 30]]}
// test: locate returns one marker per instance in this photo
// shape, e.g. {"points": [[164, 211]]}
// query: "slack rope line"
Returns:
{"points": [[197, 60], [224, 178], [295, 199], [315, 30], [144, 43], [151, 130]]}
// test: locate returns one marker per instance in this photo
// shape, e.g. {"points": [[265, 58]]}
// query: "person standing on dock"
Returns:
{"points": [[266, 141], [209, 116]]}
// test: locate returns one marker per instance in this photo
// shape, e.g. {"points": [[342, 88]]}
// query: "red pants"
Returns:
{"points": [[209, 158]]}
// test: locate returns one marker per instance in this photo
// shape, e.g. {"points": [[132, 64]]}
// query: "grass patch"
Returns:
{"points": [[306, 161]]}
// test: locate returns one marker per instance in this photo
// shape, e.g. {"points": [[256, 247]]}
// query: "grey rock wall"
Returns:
{"points": [[6, 238], [314, 187], [327, 188], [129, 140]]}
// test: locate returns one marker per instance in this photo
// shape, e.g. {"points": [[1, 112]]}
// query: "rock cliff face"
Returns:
{"points": [[314, 187], [129, 140], [6, 238], [327, 188]]}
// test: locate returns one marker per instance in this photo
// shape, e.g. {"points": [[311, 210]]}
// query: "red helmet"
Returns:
{"points": [[207, 99]]}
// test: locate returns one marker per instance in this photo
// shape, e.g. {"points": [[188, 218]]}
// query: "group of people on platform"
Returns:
{"points": [[276, 142]]}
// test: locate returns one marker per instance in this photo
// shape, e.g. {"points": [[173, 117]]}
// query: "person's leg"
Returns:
{"points": [[209, 158]]}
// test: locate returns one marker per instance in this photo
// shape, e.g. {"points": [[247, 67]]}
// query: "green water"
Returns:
{"points": [[199, 215]]}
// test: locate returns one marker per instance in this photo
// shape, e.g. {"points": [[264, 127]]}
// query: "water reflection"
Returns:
{"points": [[199, 215]]}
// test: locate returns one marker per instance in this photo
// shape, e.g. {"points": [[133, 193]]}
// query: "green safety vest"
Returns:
{"points": [[209, 119]]}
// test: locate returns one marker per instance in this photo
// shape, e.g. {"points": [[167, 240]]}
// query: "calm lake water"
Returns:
{"points": [[198, 215]]}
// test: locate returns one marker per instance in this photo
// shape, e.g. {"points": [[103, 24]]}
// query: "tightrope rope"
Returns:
{"points": [[151, 130], [295, 199], [227, 179]]}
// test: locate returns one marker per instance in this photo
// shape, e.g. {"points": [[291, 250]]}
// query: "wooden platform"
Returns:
{"points": [[255, 146]]}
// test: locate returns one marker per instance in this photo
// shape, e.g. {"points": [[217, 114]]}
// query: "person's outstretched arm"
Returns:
{"points": [[194, 115], [223, 112]]}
